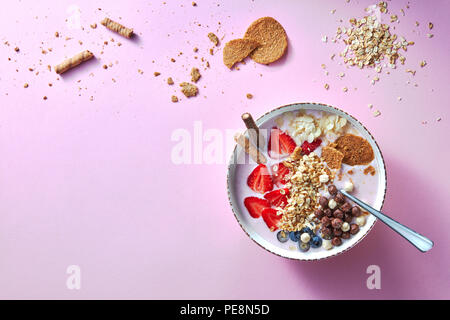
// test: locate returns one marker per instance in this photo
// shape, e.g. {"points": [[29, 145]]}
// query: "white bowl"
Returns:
{"points": [[243, 217]]}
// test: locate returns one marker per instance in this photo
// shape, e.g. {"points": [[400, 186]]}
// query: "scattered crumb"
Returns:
{"points": [[188, 89], [376, 113], [345, 89], [16, 49], [370, 106], [57, 34], [94, 26], [195, 49], [430, 35], [369, 170], [249, 96], [172, 59], [45, 98], [214, 39], [105, 66], [194, 4], [170, 81], [195, 75], [326, 86], [211, 51], [423, 63], [25, 85], [174, 99], [140, 71], [156, 73], [430, 25]]}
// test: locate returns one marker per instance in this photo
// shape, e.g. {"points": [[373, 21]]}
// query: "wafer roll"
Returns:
{"points": [[249, 148], [73, 62], [253, 130], [117, 27]]}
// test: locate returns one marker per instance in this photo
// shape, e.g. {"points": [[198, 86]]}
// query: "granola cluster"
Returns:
{"points": [[309, 175]]}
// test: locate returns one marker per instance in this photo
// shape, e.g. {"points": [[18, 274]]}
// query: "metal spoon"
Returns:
{"points": [[419, 241]]}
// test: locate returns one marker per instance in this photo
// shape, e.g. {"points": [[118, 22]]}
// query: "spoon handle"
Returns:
{"points": [[419, 241]]}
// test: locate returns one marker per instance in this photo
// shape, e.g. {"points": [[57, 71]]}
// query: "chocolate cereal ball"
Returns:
{"points": [[346, 207], [336, 223], [323, 201], [336, 241], [338, 214], [339, 198], [356, 211], [332, 189], [354, 228], [325, 221], [345, 235], [318, 213], [348, 217], [328, 212]]}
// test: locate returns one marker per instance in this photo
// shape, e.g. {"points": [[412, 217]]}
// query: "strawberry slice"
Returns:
{"points": [[280, 143], [307, 147], [255, 206], [271, 218], [278, 198], [260, 180], [279, 173]]}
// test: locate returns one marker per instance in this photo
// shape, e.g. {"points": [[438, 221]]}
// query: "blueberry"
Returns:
{"points": [[303, 246], [316, 242], [307, 230], [283, 236], [295, 235]]}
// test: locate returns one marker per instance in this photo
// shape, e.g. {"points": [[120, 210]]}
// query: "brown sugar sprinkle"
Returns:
{"points": [[356, 150], [332, 157], [195, 75], [249, 96], [369, 170], [174, 99], [170, 81], [156, 73]]}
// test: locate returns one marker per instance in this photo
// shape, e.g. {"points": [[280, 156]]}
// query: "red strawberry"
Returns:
{"points": [[255, 206], [280, 143], [279, 174], [278, 198], [260, 180], [271, 218], [307, 147]]}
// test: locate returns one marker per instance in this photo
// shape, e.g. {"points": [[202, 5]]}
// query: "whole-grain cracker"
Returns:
{"points": [[237, 50], [273, 39]]}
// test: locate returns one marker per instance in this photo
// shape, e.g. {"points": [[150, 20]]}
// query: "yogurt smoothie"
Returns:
{"points": [[306, 135]]}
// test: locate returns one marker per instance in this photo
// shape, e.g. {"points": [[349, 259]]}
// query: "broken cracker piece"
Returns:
{"points": [[237, 50], [214, 39], [332, 157], [73, 62], [188, 89], [117, 27], [273, 39], [195, 75]]}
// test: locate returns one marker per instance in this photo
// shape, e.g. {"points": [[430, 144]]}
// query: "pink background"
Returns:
{"points": [[91, 183]]}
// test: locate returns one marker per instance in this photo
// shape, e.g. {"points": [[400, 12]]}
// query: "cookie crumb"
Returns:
{"points": [[326, 86], [195, 49], [369, 170], [105, 66], [194, 4], [170, 81], [174, 99], [332, 157], [195, 75], [57, 34], [156, 73], [94, 26], [45, 98], [214, 39], [16, 49], [188, 89], [249, 96], [25, 85]]}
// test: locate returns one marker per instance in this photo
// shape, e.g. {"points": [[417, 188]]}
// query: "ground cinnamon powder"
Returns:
{"points": [[356, 150]]}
